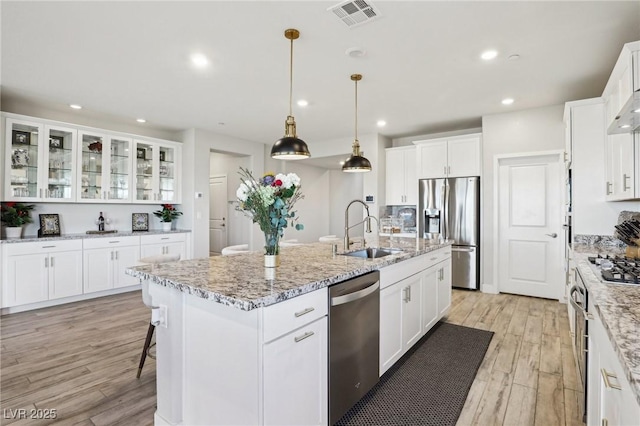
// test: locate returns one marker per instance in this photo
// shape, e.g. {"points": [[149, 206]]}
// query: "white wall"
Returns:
{"points": [[345, 187], [533, 130], [197, 145], [238, 225]]}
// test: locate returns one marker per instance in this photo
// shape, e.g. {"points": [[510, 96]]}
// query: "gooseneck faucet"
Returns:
{"points": [[366, 221]]}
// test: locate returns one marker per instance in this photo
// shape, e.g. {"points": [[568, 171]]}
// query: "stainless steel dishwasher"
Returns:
{"points": [[354, 341]]}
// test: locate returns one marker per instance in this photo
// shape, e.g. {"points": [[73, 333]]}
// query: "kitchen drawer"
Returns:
{"points": [[163, 238], [93, 243], [42, 247], [286, 316], [399, 271], [437, 256]]}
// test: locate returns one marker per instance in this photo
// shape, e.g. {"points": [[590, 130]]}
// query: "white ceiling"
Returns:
{"points": [[422, 71]]}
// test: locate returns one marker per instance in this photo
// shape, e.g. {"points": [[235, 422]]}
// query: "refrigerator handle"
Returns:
{"points": [[445, 201]]}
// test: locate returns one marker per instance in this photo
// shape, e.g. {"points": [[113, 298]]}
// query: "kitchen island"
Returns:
{"points": [[613, 377], [242, 344]]}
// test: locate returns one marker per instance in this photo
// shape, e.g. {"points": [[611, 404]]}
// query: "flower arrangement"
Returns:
{"points": [[15, 214], [168, 213], [269, 202]]}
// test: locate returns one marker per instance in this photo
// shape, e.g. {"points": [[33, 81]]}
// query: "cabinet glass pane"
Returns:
{"points": [[24, 161], [60, 155], [167, 174], [119, 174], [144, 171], [91, 187]]}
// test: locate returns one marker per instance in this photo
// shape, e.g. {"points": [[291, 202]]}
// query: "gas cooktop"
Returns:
{"points": [[618, 269]]}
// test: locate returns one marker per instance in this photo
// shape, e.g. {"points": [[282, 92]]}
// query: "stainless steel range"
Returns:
{"points": [[618, 269]]}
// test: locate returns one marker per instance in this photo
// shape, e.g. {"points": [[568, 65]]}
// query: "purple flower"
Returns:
{"points": [[267, 180]]}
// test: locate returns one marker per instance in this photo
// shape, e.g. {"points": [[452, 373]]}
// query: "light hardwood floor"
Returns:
{"points": [[81, 359]]}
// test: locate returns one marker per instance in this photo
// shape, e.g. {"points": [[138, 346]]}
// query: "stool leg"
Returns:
{"points": [[147, 342]]}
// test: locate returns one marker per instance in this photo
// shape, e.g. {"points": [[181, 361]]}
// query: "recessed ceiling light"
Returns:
{"points": [[355, 52], [302, 103], [381, 123], [76, 106], [341, 163], [625, 126], [141, 120], [637, 110], [489, 55], [199, 60], [507, 101]]}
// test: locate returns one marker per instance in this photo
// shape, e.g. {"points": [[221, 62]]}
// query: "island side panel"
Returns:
{"points": [[221, 364]]}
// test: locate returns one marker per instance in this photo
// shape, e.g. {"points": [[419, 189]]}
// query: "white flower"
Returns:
{"points": [[288, 180], [243, 191], [294, 179]]}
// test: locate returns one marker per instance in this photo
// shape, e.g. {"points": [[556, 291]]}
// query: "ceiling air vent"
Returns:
{"points": [[355, 12]]}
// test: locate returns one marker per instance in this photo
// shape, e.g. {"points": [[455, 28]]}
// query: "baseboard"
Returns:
{"points": [[489, 288], [158, 420], [71, 299]]}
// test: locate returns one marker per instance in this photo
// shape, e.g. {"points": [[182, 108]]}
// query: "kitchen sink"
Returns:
{"points": [[373, 252]]}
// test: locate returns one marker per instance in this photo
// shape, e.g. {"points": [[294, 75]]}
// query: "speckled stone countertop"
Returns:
{"points": [[618, 306], [33, 238], [243, 282]]}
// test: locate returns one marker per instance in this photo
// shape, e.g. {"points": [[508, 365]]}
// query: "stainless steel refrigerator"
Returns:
{"points": [[450, 208]]}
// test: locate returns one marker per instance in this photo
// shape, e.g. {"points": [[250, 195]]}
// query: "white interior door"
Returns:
{"points": [[529, 213], [217, 213]]}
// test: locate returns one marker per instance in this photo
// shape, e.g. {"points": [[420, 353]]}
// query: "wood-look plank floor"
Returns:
{"points": [[81, 360]]}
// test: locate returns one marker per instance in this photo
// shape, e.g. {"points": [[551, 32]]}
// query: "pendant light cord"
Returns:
{"points": [[356, 110], [291, 80]]}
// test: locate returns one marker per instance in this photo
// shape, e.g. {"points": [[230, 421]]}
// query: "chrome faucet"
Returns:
{"points": [[366, 221]]}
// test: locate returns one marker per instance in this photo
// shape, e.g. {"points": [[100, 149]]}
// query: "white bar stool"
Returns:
{"points": [[237, 249]]}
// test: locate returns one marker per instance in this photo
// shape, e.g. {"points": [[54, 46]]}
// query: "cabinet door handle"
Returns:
{"points": [[304, 312], [304, 336], [448, 170], [605, 377], [40, 192], [116, 255], [51, 263], [445, 170], [608, 188], [46, 262], [624, 182]]}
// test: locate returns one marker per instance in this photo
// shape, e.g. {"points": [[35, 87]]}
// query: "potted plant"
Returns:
{"points": [[269, 202], [14, 215], [166, 215]]}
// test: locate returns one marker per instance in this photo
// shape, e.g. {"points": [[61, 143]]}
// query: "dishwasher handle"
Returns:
{"points": [[351, 297]]}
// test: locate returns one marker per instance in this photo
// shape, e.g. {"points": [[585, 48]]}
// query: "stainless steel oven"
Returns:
{"points": [[578, 297]]}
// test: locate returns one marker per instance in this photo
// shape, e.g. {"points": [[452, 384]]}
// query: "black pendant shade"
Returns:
{"points": [[355, 164], [290, 148]]}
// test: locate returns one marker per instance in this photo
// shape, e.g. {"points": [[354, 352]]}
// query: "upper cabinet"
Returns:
{"points": [[401, 180], [39, 161], [449, 157], [156, 171], [622, 145], [56, 162]]}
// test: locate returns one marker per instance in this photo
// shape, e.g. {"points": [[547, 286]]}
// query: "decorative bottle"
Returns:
{"points": [[100, 222]]}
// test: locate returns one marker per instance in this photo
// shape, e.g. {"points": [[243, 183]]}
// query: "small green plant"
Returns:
{"points": [[16, 214], [168, 213]]}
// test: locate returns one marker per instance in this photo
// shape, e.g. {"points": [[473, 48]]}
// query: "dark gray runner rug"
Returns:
{"points": [[429, 384]]}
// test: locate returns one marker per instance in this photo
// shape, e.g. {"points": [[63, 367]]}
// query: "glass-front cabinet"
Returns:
{"points": [[105, 173], [156, 174], [39, 161]]}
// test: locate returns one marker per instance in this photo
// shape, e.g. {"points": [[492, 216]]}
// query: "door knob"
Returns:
{"points": [[554, 235]]}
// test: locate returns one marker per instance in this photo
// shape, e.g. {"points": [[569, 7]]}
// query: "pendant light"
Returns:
{"points": [[356, 163], [290, 147]]}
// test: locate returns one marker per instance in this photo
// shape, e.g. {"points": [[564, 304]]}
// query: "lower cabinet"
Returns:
{"points": [[154, 245], [610, 398], [411, 306], [36, 272], [295, 377], [105, 261]]}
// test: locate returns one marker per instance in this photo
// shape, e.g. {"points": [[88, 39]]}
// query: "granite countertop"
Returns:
{"points": [[243, 282], [618, 306], [33, 238]]}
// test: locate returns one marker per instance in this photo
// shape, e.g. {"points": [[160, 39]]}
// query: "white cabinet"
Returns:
{"points": [[610, 398], [157, 172], [40, 161], [295, 377], [153, 245], [621, 167], [401, 176], [449, 157], [105, 260], [36, 272], [410, 306], [295, 361]]}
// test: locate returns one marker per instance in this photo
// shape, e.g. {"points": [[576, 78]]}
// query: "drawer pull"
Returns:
{"points": [[434, 258], [164, 238], [304, 336], [605, 377], [304, 312], [114, 242], [48, 246]]}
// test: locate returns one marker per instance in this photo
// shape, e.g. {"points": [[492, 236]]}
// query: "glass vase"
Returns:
{"points": [[271, 248]]}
